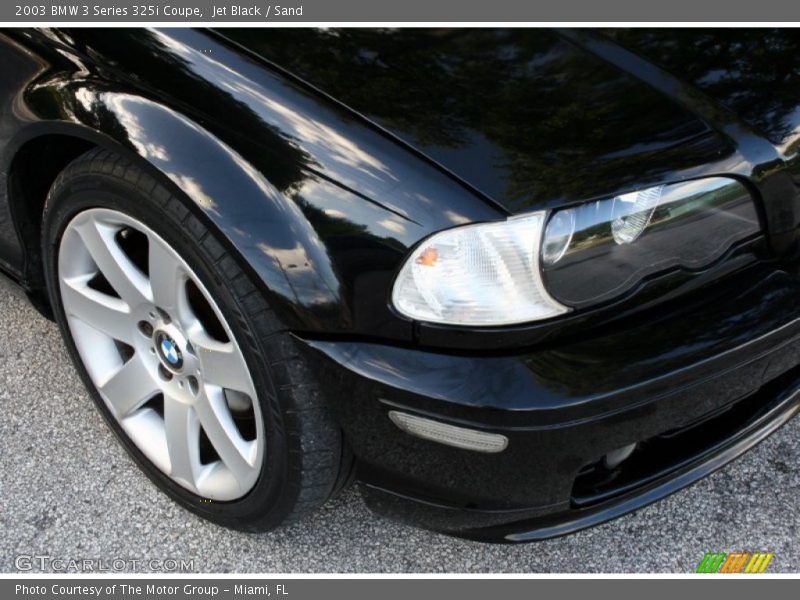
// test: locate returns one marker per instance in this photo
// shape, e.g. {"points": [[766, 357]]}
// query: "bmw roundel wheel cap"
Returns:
{"points": [[169, 351]]}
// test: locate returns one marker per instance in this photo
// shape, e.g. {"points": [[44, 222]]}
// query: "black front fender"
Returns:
{"points": [[315, 201]]}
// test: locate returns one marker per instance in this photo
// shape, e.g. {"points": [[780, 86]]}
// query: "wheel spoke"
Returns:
{"points": [[116, 267], [183, 440], [224, 436], [166, 277], [105, 313], [129, 388], [223, 364]]}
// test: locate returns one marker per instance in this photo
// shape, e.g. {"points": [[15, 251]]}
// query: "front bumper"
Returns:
{"points": [[693, 386]]}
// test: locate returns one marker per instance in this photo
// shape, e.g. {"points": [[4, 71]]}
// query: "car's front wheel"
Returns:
{"points": [[181, 352]]}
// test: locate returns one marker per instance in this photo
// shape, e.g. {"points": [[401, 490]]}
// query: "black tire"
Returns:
{"points": [[304, 462]]}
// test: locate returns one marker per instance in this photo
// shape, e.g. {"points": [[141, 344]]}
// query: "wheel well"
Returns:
{"points": [[33, 170]]}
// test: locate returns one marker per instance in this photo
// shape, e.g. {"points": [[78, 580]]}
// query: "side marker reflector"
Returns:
{"points": [[450, 435]]}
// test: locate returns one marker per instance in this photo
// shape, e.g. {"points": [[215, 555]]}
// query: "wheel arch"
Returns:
{"points": [[33, 160], [195, 166]]}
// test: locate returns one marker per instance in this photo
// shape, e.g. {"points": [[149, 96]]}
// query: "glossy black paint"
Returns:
{"points": [[309, 188], [538, 119], [565, 406], [324, 156]]}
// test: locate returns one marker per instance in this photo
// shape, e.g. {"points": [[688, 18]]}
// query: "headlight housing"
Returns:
{"points": [[538, 266], [615, 244]]}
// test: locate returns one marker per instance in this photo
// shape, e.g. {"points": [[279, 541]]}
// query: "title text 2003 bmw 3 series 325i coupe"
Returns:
{"points": [[515, 283]]}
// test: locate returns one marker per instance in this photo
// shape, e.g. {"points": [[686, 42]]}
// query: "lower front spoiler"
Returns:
{"points": [[779, 403]]}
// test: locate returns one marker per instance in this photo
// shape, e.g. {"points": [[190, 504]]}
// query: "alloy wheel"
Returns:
{"points": [[161, 354]]}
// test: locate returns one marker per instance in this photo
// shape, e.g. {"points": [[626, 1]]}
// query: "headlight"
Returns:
{"points": [[520, 270], [614, 244], [484, 274]]}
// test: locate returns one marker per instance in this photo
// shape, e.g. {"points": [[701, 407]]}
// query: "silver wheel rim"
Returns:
{"points": [[161, 354]]}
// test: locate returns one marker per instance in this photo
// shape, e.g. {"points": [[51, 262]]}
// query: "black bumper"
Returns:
{"points": [[694, 387]]}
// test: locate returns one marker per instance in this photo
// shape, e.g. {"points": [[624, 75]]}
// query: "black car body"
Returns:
{"points": [[324, 157]]}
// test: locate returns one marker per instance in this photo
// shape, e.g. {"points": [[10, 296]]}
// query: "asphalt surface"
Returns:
{"points": [[69, 491]]}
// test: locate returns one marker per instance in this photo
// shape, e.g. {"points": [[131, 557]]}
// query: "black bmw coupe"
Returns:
{"points": [[513, 282]]}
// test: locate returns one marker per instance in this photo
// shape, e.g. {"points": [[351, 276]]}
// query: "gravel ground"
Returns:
{"points": [[68, 490]]}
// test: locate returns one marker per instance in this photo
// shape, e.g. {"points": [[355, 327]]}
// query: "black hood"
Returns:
{"points": [[524, 116], [754, 73]]}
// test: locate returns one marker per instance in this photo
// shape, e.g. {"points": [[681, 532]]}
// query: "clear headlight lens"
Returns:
{"points": [[559, 234], [484, 274], [614, 244]]}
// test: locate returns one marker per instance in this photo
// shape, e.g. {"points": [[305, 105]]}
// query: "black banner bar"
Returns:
{"points": [[417, 11]]}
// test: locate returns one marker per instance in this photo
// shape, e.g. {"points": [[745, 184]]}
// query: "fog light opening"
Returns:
{"points": [[450, 435], [616, 457]]}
